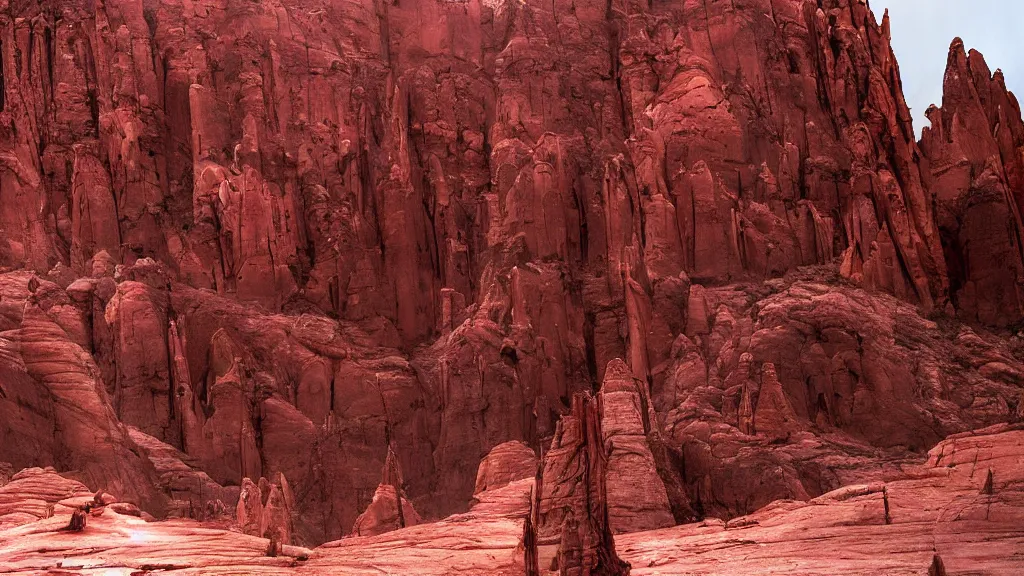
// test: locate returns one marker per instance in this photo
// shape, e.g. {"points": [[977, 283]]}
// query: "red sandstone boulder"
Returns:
{"points": [[505, 464]]}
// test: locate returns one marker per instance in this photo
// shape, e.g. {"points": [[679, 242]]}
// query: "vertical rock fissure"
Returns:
{"points": [[3, 80]]}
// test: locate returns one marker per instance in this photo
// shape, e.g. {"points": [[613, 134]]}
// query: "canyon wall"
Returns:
{"points": [[287, 237]]}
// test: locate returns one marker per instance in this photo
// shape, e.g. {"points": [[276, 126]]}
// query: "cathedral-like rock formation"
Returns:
{"points": [[975, 146], [693, 247]]}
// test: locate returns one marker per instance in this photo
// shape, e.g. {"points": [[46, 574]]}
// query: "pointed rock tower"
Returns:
{"points": [[390, 509], [574, 512]]}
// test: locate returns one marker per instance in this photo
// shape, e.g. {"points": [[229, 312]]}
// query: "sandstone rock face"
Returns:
{"points": [[505, 464], [637, 499], [574, 509], [390, 508], [35, 494], [388, 511], [192, 493], [773, 416], [310, 240], [976, 148], [54, 380], [937, 508], [757, 399]]}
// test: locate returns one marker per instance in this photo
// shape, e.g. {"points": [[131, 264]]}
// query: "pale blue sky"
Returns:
{"points": [[923, 29]]}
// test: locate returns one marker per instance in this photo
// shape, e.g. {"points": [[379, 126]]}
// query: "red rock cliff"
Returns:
{"points": [[278, 237]]}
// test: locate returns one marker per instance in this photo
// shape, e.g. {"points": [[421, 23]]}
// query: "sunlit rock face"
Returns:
{"points": [[309, 269]]}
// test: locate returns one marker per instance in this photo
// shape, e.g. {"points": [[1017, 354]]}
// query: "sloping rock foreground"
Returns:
{"points": [[964, 505]]}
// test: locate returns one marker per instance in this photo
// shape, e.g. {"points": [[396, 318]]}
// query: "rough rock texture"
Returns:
{"points": [[35, 494], [637, 498], [815, 385], [976, 148], [936, 509], [58, 412], [192, 493], [390, 508], [276, 239], [265, 510], [575, 508], [505, 464]]}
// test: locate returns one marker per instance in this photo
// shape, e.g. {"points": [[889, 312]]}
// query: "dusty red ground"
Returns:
{"points": [[614, 282]]}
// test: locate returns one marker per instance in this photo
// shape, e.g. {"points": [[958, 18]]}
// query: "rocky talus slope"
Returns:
{"points": [[503, 285]]}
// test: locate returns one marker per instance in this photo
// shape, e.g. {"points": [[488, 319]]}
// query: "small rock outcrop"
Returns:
{"points": [[774, 416], [390, 509], [505, 463], [265, 510], [34, 494]]}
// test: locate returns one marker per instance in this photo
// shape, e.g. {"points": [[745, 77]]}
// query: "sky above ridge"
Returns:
{"points": [[923, 29]]}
